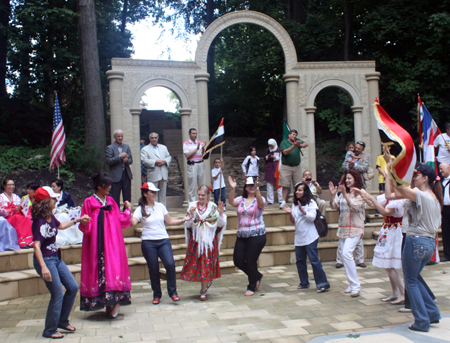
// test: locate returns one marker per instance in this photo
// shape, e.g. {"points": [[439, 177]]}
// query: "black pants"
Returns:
{"points": [[245, 257], [446, 230], [123, 185], [421, 280]]}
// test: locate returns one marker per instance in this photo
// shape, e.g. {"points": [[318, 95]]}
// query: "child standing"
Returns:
{"points": [[349, 156], [250, 164], [219, 182]]}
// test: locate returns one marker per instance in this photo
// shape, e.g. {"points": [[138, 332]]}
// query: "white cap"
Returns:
{"points": [[150, 186], [249, 181]]}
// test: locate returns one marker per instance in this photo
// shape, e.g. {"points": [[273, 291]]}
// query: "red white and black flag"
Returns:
{"points": [[216, 140], [401, 168], [57, 154]]}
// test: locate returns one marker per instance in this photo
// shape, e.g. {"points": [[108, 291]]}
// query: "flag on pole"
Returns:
{"points": [[216, 140], [429, 133], [57, 154], [286, 130], [401, 169]]}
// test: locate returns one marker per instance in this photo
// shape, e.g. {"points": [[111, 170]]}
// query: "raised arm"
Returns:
{"points": [[233, 202]]}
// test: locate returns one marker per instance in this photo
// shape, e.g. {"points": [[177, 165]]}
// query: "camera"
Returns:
{"points": [[308, 179]]}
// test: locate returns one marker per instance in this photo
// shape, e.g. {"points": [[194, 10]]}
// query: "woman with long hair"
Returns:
{"points": [[424, 218], [11, 209], [105, 277], [351, 208], [155, 240], [250, 165], [204, 233], [251, 232], [49, 265], [303, 214]]}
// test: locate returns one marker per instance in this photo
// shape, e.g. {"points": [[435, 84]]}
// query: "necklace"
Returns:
{"points": [[203, 210]]}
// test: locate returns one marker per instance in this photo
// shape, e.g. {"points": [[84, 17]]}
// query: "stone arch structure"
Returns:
{"points": [[189, 81]]}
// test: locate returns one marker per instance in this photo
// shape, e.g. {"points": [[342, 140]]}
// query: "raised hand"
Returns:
{"points": [[287, 209], [333, 188], [221, 207], [232, 182]]}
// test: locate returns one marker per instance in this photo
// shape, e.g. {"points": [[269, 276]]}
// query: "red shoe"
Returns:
{"points": [[175, 297], [155, 301]]}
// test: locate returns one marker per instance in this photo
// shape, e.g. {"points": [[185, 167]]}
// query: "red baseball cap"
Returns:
{"points": [[45, 192]]}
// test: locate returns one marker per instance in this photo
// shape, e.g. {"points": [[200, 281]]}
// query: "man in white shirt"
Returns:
{"points": [[157, 159], [444, 169], [443, 142], [316, 190], [193, 150]]}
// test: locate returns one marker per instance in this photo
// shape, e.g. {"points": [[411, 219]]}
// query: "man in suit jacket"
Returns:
{"points": [[118, 157], [157, 159], [444, 168]]}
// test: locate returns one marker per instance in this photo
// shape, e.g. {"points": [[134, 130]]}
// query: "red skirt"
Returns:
{"points": [[201, 268], [22, 225]]}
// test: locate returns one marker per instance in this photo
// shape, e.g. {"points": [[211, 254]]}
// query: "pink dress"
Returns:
{"points": [[17, 220], [105, 277]]}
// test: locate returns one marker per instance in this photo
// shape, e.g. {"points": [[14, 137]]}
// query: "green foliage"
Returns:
{"points": [[12, 158]]}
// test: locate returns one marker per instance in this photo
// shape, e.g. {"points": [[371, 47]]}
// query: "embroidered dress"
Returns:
{"points": [[388, 250], [204, 235], [105, 277], [250, 219], [18, 221]]}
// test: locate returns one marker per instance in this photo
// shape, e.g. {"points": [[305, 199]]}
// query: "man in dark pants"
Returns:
{"points": [[444, 169], [118, 157]]}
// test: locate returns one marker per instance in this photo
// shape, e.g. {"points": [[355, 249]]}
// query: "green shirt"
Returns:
{"points": [[293, 158]]}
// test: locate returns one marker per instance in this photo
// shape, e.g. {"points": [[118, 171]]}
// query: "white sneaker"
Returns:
{"points": [[283, 203]]}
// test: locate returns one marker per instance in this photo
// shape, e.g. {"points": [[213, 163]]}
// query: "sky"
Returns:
{"points": [[155, 43]]}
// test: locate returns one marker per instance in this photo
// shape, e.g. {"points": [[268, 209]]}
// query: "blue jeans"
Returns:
{"points": [[152, 249], [417, 252], [61, 303], [217, 194], [310, 250]]}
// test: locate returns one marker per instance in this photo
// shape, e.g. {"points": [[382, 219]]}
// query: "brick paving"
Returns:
{"points": [[278, 312]]}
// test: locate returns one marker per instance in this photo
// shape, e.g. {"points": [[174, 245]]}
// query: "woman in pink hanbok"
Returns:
{"points": [[105, 277], [10, 208]]}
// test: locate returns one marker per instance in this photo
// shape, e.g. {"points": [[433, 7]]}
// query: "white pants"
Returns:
{"points": [[322, 205], [359, 252], [162, 185], [196, 178], [270, 190], [347, 246]]}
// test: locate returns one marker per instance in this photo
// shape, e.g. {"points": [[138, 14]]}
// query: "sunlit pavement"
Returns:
{"points": [[278, 312]]}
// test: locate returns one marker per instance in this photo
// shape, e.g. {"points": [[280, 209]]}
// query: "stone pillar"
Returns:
{"points": [[115, 99], [185, 114], [375, 142], [358, 120], [203, 116], [135, 147], [310, 111], [293, 115]]}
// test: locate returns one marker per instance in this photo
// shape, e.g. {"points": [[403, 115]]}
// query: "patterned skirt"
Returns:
{"points": [[201, 268], [388, 250]]}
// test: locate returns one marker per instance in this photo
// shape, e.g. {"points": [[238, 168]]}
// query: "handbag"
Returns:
{"points": [[369, 174], [321, 224]]}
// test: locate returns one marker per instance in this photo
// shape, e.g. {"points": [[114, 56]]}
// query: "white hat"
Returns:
{"points": [[249, 181], [150, 186]]}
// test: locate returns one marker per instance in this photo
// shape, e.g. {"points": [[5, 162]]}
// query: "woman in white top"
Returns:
{"points": [[250, 164], [302, 214], [388, 250], [155, 240]]}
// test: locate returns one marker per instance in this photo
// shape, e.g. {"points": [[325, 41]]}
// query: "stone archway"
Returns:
{"points": [[189, 80]]}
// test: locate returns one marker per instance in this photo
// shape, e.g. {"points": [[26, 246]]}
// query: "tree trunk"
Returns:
{"points": [[5, 12], [90, 71], [348, 15], [124, 16]]}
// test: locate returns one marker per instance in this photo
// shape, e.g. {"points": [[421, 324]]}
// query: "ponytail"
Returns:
{"points": [[438, 191], [142, 202]]}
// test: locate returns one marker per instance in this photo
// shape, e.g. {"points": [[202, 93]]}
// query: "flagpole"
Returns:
{"points": [[220, 178], [58, 173]]}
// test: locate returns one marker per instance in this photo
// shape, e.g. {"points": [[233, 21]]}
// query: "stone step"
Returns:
{"points": [[375, 218], [24, 283]]}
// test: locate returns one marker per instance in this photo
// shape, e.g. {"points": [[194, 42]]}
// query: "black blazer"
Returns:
{"points": [[115, 162]]}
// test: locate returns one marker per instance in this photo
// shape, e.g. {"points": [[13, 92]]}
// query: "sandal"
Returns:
{"points": [[405, 310], [114, 315], [322, 289], [249, 293], [301, 287], [389, 298], [56, 335], [155, 301], [203, 296], [207, 286], [69, 328], [413, 328]]}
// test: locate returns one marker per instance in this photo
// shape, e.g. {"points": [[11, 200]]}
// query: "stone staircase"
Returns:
{"points": [[19, 279]]}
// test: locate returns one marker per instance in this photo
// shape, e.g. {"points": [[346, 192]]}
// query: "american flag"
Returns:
{"points": [[57, 155]]}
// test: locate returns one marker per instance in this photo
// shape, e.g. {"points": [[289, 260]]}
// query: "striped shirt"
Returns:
{"points": [[190, 146]]}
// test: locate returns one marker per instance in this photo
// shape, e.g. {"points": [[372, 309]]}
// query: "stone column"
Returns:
{"points": [[375, 142], [115, 99], [293, 115], [203, 115], [310, 111], [135, 147], [185, 114], [358, 120]]}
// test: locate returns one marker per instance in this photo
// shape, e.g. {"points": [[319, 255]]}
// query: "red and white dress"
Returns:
{"points": [[21, 223], [388, 250]]}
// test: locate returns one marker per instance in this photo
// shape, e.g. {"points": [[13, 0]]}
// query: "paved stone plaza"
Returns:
{"points": [[278, 312]]}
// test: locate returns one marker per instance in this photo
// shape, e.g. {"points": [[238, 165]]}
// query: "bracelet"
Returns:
{"points": [[74, 222]]}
